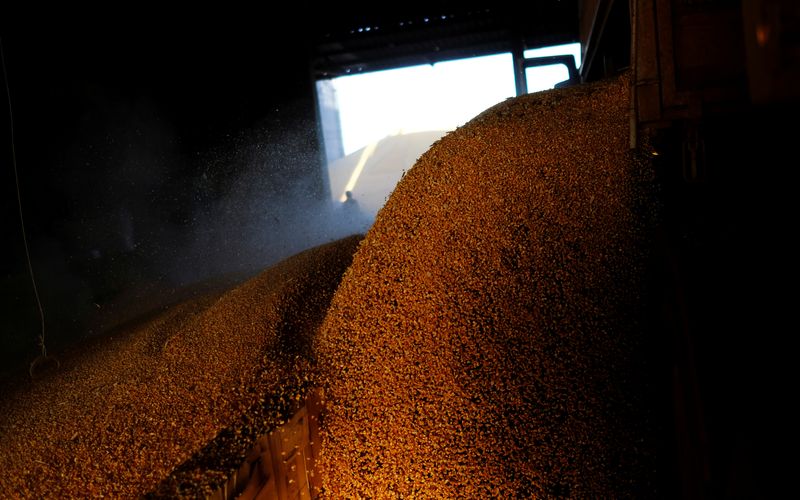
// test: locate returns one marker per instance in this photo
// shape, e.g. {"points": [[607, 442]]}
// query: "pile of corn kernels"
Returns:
{"points": [[118, 418], [483, 342]]}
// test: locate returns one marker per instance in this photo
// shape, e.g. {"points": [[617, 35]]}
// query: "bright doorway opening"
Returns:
{"points": [[376, 125]]}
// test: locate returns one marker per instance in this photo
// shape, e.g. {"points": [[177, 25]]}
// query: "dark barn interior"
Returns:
{"points": [[164, 159]]}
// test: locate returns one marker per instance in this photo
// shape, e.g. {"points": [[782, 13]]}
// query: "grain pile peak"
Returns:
{"points": [[118, 418], [483, 342]]}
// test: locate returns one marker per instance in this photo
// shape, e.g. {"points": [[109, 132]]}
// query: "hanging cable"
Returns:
{"points": [[19, 204]]}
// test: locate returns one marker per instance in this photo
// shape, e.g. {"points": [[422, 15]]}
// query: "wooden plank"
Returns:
{"points": [[646, 50], [315, 406], [281, 465]]}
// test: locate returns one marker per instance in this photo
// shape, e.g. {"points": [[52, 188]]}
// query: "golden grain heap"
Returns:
{"points": [[115, 420], [483, 342]]}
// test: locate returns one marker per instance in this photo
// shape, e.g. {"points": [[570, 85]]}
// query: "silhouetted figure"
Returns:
{"points": [[350, 203], [351, 212]]}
